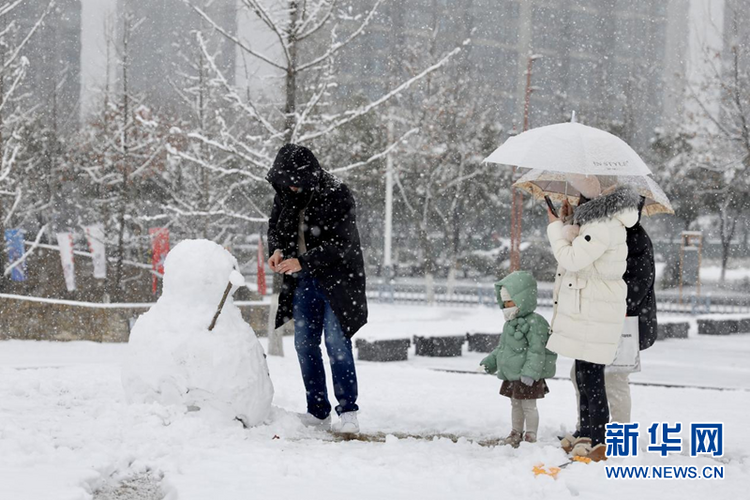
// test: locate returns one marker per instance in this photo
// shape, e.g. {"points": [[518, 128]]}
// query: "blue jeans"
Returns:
{"points": [[312, 315]]}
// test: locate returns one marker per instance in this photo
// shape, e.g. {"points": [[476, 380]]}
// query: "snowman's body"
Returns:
{"points": [[173, 358]]}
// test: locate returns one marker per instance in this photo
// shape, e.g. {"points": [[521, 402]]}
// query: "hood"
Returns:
{"points": [[621, 204], [294, 166], [641, 204], [521, 286]]}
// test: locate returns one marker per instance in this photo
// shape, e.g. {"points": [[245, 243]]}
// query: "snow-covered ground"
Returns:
{"points": [[711, 274], [66, 430]]}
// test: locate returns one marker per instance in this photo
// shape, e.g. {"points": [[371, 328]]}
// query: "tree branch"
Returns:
{"points": [[363, 110], [378, 156]]}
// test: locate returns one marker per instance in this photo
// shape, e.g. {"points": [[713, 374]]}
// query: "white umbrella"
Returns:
{"points": [[570, 148], [554, 184]]}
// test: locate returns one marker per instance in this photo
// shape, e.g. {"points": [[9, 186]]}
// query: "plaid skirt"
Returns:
{"points": [[518, 390]]}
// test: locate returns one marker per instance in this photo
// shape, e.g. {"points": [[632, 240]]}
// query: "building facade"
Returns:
{"points": [[162, 44], [619, 64], [54, 54]]}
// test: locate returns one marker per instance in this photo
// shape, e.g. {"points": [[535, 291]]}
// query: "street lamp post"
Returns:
{"points": [[388, 246], [516, 214]]}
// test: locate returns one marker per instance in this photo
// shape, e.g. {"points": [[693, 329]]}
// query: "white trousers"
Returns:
{"points": [[524, 410]]}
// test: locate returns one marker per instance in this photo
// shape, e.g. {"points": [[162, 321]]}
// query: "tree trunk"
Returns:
{"points": [[429, 288], [724, 261], [275, 335], [117, 293], [3, 258], [290, 109], [727, 235], [451, 281], [429, 265], [455, 237], [205, 180]]}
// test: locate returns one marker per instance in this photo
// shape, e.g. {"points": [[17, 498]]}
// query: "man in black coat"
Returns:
{"points": [[314, 243], [640, 277]]}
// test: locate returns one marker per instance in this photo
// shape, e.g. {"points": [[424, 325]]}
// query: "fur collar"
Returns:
{"points": [[607, 206]]}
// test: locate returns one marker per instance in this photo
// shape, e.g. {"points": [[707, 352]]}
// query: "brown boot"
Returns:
{"points": [[598, 453], [530, 437], [567, 443], [514, 439], [581, 447]]}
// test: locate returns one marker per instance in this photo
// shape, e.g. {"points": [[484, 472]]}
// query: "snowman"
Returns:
{"points": [[174, 359]]}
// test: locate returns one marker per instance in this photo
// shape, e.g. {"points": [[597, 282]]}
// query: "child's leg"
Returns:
{"points": [[517, 415], [531, 415]]}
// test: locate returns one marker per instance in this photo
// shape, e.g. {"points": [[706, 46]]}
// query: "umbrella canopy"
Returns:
{"points": [[570, 148], [554, 184]]}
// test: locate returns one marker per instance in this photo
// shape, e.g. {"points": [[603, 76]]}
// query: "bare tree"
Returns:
{"points": [[14, 110], [125, 161], [309, 38], [722, 139]]}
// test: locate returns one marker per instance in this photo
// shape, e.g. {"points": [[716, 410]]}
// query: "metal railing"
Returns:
{"points": [[462, 295]]}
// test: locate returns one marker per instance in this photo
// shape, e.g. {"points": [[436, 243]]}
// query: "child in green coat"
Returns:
{"points": [[522, 360]]}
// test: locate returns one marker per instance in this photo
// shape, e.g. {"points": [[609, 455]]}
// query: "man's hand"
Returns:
{"points": [[551, 216], [289, 266], [275, 260]]}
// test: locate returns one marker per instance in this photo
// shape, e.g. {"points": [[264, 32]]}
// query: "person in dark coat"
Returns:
{"points": [[314, 244], [640, 277]]}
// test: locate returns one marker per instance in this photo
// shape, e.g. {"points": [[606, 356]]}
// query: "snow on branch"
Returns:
{"points": [[212, 168], [305, 32], [402, 191], [200, 213], [87, 254], [20, 75], [231, 95], [215, 169], [335, 47], [31, 32], [264, 16], [313, 101], [5, 9], [8, 160], [19, 195], [378, 156], [363, 110], [235, 40], [719, 124]]}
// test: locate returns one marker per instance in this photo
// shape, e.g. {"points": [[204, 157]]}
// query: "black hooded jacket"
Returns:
{"points": [[640, 276], [334, 254]]}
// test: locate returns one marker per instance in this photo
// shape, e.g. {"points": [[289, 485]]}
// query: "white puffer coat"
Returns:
{"points": [[590, 294]]}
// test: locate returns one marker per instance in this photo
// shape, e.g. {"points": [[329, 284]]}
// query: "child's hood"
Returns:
{"points": [[521, 286]]}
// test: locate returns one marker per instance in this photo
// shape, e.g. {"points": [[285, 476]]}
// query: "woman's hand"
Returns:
{"points": [[552, 218], [275, 260], [289, 266], [566, 209]]}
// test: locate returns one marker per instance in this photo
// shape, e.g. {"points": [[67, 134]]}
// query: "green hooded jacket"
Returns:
{"points": [[522, 351]]}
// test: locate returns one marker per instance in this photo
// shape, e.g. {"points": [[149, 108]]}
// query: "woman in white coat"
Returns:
{"points": [[590, 298]]}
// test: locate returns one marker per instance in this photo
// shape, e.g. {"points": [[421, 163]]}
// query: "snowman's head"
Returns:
{"points": [[197, 272]]}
